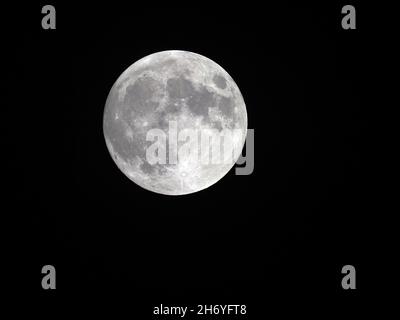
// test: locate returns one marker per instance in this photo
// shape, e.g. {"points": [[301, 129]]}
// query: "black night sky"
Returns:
{"points": [[275, 240]]}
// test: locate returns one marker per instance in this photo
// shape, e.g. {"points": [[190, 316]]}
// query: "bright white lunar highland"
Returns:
{"points": [[167, 89]]}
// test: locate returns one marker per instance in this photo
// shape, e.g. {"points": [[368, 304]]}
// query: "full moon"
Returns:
{"points": [[170, 118]]}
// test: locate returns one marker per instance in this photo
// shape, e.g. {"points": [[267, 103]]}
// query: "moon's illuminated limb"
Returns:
{"points": [[165, 87]]}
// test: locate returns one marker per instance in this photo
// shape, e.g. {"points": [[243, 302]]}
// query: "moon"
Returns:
{"points": [[166, 117]]}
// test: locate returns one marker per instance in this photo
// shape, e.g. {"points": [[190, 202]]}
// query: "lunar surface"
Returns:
{"points": [[166, 114]]}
